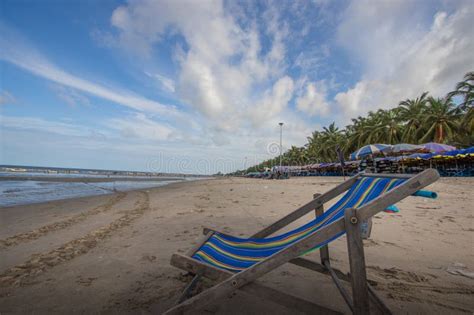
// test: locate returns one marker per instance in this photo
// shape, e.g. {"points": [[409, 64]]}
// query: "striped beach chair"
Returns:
{"points": [[236, 263]]}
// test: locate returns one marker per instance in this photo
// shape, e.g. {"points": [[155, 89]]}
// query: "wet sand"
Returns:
{"points": [[111, 253]]}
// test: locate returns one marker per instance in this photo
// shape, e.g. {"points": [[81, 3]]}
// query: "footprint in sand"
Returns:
{"points": [[147, 257], [85, 281], [370, 243], [398, 274]]}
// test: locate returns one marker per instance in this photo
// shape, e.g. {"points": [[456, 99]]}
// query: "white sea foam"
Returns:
{"points": [[25, 191]]}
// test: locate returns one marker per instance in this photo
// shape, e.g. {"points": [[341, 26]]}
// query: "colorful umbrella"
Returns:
{"points": [[438, 147], [404, 147], [423, 156], [453, 152], [369, 150], [469, 150]]}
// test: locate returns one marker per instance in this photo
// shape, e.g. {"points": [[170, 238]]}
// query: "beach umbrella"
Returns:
{"points": [[369, 150], [419, 156], [437, 147], [453, 152], [404, 147], [468, 150]]}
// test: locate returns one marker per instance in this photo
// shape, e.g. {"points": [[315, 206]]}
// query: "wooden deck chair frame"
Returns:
{"points": [[245, 280]]}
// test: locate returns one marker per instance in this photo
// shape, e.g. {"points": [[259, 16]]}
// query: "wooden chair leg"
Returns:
{"points": [[341, 289], [360, 292], [324, 250], [188, 289]]}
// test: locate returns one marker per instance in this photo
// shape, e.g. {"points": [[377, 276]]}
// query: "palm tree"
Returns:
{"points": [[387, 127], [465, 136], [331, 137], [410, 111], [416, 120], [313, 146], [465, 89], [296, 155], [355, 133], [440, 120]]}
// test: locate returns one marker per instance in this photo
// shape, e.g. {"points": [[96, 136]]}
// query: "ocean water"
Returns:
{"points": [[79, 175], [21, 192]]}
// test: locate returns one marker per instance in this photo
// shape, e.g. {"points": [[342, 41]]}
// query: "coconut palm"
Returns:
{"points": [[418, 120], [356, 133], [440, 120], [387, 127], [465, 136], [313, 146], [465, 89], [331, 137], [410, 111]]}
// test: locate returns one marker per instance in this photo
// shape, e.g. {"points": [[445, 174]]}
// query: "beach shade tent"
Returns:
{"points": [[236, 263], [312, 166], [369, 149], [452, 153], [434, 147], [469, 151], [422, 156], [404, 148], [459, 153]]}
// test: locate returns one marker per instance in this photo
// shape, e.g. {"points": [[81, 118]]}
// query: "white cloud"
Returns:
{"points": [[273, 102], [142, 127], [313, 100], [313, 59], [6, 98], [401, 58], [71, 96], [20, 53], [224, 70], [39, 124], [166, 83]]}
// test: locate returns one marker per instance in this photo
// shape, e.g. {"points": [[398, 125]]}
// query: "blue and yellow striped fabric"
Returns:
{"points": [[236, 254]]}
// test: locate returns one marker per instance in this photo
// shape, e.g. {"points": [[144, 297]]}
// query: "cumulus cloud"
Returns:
{"points": [[313, 101], [240, 68], [401, 58], [273, 102], [225, 72]]}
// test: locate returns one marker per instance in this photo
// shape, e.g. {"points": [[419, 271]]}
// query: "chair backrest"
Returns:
{"points": [[234, 253], [362, 191]]}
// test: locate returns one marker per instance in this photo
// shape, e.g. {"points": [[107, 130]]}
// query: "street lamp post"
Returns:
{"points": [[281, 137]]}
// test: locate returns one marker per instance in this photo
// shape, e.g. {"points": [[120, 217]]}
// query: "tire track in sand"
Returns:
{"points": [[59, 225], [22, 274]]}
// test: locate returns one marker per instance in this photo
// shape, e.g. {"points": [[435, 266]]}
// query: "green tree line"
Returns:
{"points": [[423, 119]]}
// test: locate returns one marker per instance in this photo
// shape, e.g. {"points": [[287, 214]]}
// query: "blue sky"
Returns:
{"points": [[200, 86]]}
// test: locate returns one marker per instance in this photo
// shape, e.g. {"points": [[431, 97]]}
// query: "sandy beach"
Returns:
{"points": [[111, 253]]}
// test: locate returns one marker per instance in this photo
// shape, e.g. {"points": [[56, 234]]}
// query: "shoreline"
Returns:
{"points": [[113, 250], [78, 179], [81, 198], [27, 191]]}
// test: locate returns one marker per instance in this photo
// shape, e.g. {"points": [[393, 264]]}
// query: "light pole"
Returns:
{"points": [[281, 137]]}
